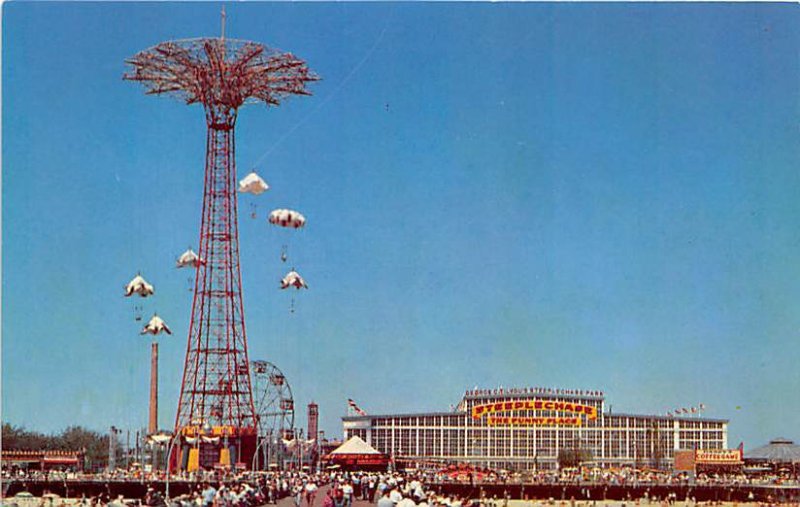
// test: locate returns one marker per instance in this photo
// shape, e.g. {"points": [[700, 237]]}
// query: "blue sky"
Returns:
{"points": [[595, 196]]}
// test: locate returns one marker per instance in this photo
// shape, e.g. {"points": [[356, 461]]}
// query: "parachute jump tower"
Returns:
{"points": [[216, 418]]}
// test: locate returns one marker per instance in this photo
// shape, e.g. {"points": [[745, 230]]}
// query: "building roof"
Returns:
{"points": [[355, 446], [778, 450], [668, 417], [466, 414]]}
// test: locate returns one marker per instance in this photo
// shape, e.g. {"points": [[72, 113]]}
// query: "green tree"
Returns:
{"points": [[78, 438], [18, 438]]}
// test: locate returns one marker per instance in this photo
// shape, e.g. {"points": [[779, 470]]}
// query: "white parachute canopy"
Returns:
{"points": [[287, 218], [138, 286], [253, 184], [293, 279], [189, 258], [155, 326]]}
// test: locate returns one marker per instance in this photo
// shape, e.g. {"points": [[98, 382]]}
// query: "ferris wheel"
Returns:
{"points": [[273, 400]]}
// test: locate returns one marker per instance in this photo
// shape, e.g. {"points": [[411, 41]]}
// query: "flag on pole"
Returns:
{"points": [[355, 408]]}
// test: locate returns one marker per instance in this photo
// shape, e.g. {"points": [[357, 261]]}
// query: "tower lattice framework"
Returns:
{"points": [[221, 74]]}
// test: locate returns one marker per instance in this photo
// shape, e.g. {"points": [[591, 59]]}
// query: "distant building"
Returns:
{"points": [[328, 446], [43, 460], [313, 421], [535, 428], [778, 452]]}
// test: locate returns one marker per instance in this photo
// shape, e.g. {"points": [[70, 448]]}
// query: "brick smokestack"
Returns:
{"points": [[313, 421], [152, 426]]}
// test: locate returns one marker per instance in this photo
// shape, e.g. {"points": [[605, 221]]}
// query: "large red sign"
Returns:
{"points": [[479, 411]]}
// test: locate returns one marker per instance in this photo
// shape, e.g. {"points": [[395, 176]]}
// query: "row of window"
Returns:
{"points": [[698, 435], [518, 443], [460, 422], [522, 435]]}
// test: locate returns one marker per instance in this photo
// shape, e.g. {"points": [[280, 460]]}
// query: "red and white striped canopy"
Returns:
{"points": [[287, 218]]}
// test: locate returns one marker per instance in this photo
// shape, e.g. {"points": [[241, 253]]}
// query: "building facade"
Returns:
{"points": [[42, 460], [531, 428]]}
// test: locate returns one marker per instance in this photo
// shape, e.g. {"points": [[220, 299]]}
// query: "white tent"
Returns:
{"points": [[357, 454], [355, 446]]}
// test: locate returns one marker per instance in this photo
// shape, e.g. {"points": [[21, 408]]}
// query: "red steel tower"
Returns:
{"points": [[216, 417]]}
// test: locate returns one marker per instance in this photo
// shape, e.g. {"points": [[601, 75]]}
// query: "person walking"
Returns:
{"points": [[338, 498], [311, 493], [328, 500], [208, 495], [384, 500], [347, 490]]}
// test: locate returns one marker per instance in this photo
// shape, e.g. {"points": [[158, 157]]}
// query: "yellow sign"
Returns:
{"points": [[479, 411], [494, 420], [214, 431], [718, 456]]}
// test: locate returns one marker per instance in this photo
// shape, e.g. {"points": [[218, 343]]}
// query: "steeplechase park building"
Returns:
{"points": [[537, 428]]}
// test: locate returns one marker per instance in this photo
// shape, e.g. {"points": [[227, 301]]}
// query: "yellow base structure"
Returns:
{"points": [[194, 460], [225, 456]]}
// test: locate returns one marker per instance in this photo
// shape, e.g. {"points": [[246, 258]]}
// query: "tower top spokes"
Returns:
{"points": [[219, 72]]}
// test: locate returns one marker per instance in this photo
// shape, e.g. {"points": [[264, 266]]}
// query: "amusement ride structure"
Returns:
{"points": [[274, 403], [216, 421]]}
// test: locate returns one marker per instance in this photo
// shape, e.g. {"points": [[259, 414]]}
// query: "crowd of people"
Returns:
{"points": [[625, 476], [341, 489], [384, 489]]}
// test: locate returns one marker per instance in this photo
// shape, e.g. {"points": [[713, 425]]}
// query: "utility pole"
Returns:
{"points": [[152, 426], [112, 440]]}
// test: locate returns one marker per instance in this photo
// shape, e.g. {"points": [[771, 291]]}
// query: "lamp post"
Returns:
{"points": [[300, 444], [269, 450], [255, 454], [112, 449], [175, 437]]}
